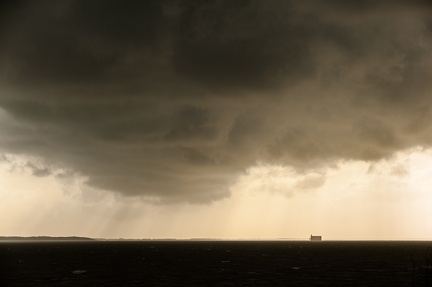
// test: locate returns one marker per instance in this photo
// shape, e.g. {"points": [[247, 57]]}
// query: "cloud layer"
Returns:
{"points": [[174, 99]]}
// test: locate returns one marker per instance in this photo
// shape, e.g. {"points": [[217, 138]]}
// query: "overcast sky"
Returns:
{"points": [[255, 119]]}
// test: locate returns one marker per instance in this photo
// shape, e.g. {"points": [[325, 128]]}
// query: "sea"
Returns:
{"points": [[216, 263]]}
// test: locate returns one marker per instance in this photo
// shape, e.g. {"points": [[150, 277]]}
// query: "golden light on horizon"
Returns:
{"points": [[356, 200]]}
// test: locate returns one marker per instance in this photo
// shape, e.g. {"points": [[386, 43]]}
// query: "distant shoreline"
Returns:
{"points": [[79, 238], [44, 238]]}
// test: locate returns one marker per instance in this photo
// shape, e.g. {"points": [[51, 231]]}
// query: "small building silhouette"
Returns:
{"points": [[315, 237]]}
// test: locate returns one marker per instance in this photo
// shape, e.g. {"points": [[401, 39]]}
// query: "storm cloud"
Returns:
{"points": [[173, 100]]}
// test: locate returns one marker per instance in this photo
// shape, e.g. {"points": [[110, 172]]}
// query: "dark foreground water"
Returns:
{"points": [[215, 263]]}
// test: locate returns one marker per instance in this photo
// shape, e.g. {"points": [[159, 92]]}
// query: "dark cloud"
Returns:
{"points": [[39, 172], [190, 123], [172, 100], [31, 165], [253, 45], [310, 182]]}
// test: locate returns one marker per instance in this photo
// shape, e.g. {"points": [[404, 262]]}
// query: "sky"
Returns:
{"points": [[216, 119]]}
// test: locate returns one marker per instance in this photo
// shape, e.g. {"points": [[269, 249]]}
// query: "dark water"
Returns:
{"points": [[215, 263]]}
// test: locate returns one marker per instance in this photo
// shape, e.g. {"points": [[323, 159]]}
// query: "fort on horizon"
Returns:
{"points": [[315, 238]]}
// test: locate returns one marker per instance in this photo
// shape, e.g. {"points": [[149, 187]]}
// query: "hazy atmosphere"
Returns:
{"points": [[216, 119]]}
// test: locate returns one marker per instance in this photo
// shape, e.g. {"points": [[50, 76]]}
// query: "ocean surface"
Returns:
{"points": [[215, 263]]}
